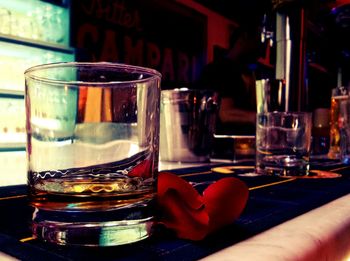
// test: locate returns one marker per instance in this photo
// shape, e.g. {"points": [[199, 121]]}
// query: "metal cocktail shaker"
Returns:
{"points": [[187, 124]]}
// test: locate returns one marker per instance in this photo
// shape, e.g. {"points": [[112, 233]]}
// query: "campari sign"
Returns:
{"points": [[160, 34]]}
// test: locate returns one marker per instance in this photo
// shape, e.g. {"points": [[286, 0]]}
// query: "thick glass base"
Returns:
{"points": [[282, 165], [110, 233], [92, 223], [283, 172]]}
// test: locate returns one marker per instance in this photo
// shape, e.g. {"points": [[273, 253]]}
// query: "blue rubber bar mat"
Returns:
{"points": [[272, 201]]}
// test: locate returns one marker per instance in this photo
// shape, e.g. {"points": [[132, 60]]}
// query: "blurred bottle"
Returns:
{"points": [[321, 131], [339, 99]]}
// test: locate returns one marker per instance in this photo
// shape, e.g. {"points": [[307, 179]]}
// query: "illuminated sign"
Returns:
{"points": [[163, 35]]}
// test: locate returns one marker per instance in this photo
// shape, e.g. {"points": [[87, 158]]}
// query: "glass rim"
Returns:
{"points": [[296, 113], [187, 90], [30, 72], [179, 94]]}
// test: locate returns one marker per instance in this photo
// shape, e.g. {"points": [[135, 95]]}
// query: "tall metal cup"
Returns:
{"points": [[187, 124]]}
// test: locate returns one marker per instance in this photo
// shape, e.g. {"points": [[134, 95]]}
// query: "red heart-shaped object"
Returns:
{"points": [[193, 216], [181, 207], [224, 201]]}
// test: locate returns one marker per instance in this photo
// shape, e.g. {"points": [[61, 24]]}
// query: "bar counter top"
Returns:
{"points": [[321, 234], [285, 219]]}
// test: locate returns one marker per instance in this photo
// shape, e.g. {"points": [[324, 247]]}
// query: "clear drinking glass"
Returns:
{"points": [[283, 143], [92, 148]]}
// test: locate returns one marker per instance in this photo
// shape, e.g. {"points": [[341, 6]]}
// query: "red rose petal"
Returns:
{"points": [[186, 222], [182, 208], [224, 201], [190, 196], [192, 216]]}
